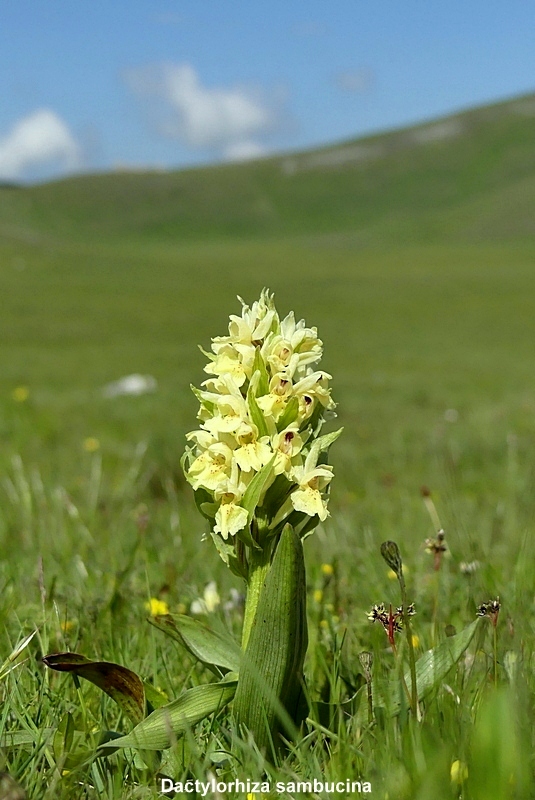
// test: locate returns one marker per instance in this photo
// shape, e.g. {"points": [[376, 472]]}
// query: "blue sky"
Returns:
{"points": [[100, 84]]}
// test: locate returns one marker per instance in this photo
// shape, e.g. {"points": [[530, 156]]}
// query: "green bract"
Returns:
{"points": [[261, 412]]}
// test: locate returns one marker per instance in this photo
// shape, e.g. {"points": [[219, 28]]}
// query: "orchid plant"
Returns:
{"points": [[257, 464]]}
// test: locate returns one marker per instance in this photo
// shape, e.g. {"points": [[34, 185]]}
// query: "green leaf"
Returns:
{"points": [[433, 666], [277, 494], [257, 415], [204, 644], [160, 729], [205, 503], [27, 738], [9, 664], [431, 669], [153, 696], [63, 738], [268, 699], [205, 403], [289, 414], [254, 491], [260, 367], [120, 683], [227, 553], [323, 443]]}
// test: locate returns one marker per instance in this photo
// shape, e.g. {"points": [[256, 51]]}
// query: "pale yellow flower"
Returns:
{"points": [[307, 497], [280, 391], [458, 772], [230, 518], [253, 455], [208, 602], [228, 362], [91, 444], [157, 608], [327, 570], [211, 468], [313, 386], [20, 394], [287, 445]]}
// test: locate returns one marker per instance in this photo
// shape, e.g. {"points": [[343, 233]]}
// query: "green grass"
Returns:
{"points": [[418, 270]]}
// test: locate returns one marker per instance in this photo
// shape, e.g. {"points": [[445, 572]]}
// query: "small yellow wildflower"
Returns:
{"points": [[458, 772], [392, 575], [318, 595], [20, 394], [327, 570], [324, 623], [157, 608], [415, 640], [91, 445], [66, 625]]}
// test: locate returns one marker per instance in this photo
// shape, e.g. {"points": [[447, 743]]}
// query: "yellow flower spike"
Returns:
{"points": [[327, 570], [91, 444], [318, 595], [260, 414], [156, 607], [458, 772], [20, 394]]}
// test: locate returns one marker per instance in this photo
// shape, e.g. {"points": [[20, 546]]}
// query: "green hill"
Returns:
{"points": [[467, 176]]}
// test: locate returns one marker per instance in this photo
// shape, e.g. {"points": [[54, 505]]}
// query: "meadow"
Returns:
{"points": [[417, 266]]}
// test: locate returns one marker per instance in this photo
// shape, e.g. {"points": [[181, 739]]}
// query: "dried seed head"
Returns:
{"points": [[392, 556], [366, 662]]}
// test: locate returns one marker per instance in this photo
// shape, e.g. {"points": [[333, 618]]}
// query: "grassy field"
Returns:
{"points": [[416, 261]]}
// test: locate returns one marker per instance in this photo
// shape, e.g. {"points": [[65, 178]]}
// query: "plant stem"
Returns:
{"points": [[495, 637], [412, 659], [259, 563]]}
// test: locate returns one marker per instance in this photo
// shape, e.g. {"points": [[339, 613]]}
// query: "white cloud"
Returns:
{"points": [[39, 139], [228, 121], [244, 150]]}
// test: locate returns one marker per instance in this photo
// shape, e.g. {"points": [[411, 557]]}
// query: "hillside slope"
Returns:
{"points": [[468, 176]]}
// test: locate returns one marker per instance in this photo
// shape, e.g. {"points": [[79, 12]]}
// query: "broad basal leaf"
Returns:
{"points": [[120, 683], [203, 643], [164, 725]]}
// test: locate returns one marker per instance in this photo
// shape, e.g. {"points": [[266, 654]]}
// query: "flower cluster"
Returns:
{"points": [[258, 449], [490, 609], [436, 547], [387, 618], [392, 621]]}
